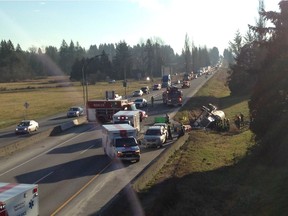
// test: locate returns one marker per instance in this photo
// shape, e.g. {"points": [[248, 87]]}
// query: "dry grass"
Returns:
{"points": [[50, 96]]}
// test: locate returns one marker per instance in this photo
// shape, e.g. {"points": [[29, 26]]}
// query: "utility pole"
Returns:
{"points": [[84, 77]]}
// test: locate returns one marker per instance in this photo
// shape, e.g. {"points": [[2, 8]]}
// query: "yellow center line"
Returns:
{"points": [[79, 191]]}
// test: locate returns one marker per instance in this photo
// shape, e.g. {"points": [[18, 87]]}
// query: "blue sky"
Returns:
{"points": [[92, 22]]}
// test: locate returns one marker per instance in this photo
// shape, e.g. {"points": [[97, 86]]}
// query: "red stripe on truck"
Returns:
{"points": [[7, 187], [122, 131]]}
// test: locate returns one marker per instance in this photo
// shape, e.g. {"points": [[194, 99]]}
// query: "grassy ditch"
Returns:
{"points": [[214, 173]]}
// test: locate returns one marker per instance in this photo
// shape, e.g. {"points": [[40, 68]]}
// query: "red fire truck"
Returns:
{"points": [[103, 110], [172, 96]]}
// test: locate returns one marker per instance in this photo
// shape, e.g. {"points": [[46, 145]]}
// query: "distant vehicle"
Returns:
{"points": [[137, 93], [112, 81], [118, 97], [141, 102], [26, 126], [111, 95], [187, 77], [172, 96], [186, 84], [155, 136], [157, 86], [166, 81], [178, 82], [145, 90], [75, 112]]}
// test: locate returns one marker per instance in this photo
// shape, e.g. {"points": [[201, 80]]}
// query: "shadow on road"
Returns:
{"points": [[78, 147]]}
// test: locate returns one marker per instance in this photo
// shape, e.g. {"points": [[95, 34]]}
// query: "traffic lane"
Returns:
{"points": [[115, 177], [42, 147], [61, 171], [8, 136], [109, 183]]}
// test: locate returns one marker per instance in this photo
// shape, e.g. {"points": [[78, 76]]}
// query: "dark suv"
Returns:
{"points": [[145, 90]]}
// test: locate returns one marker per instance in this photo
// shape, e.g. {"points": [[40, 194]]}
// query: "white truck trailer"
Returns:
{"points": [[19, 199], [128, 117], [119, 141]]}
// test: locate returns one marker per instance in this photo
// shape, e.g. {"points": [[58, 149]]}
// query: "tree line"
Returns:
{"points": [[260, 69], [106, 61]]}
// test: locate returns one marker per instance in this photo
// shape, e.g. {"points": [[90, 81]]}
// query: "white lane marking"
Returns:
{"points": [[43, 177], [86, 149], [44, 153]]}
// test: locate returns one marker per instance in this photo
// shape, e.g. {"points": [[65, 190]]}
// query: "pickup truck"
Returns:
{"points": [[155, 136]]}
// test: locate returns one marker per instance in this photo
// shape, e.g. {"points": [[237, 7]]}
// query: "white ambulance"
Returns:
{"points": [[119, 141], [128, 117], [19, 199]]}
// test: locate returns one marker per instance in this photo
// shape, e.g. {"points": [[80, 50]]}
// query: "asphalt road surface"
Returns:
{"points": [[73, 174]]}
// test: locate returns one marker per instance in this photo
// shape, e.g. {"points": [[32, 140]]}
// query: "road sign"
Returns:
{"points": [[26, 105]]}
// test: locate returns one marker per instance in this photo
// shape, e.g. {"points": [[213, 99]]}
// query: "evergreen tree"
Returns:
{"points": [[187, 55], [122, 61], [268, 104]]}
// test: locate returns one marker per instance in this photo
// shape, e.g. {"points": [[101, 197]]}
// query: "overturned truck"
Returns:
{"points": [[210, 117]]}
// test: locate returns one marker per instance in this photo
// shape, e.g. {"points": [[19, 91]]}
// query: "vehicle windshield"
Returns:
{"points": [[24, 124], [153, 132], [125, 142], [74, 109], [138, 100], [133, 107]]}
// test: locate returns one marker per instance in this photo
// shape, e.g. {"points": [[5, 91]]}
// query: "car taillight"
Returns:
{"points": [[2, 206], [35, 191]]}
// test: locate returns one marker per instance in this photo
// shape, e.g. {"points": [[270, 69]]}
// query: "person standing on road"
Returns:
{"points": [[152, 101], [167, 119], [169, 132]]}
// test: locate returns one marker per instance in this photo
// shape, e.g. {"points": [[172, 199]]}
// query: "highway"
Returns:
{"points": [[74, 175]]}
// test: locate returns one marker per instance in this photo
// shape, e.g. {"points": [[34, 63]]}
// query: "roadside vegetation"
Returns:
{"points": [[51, 96], [214, 173]]}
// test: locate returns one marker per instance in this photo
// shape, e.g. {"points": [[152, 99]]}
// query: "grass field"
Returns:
{"points": [[214, 173], [49, 96]]}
